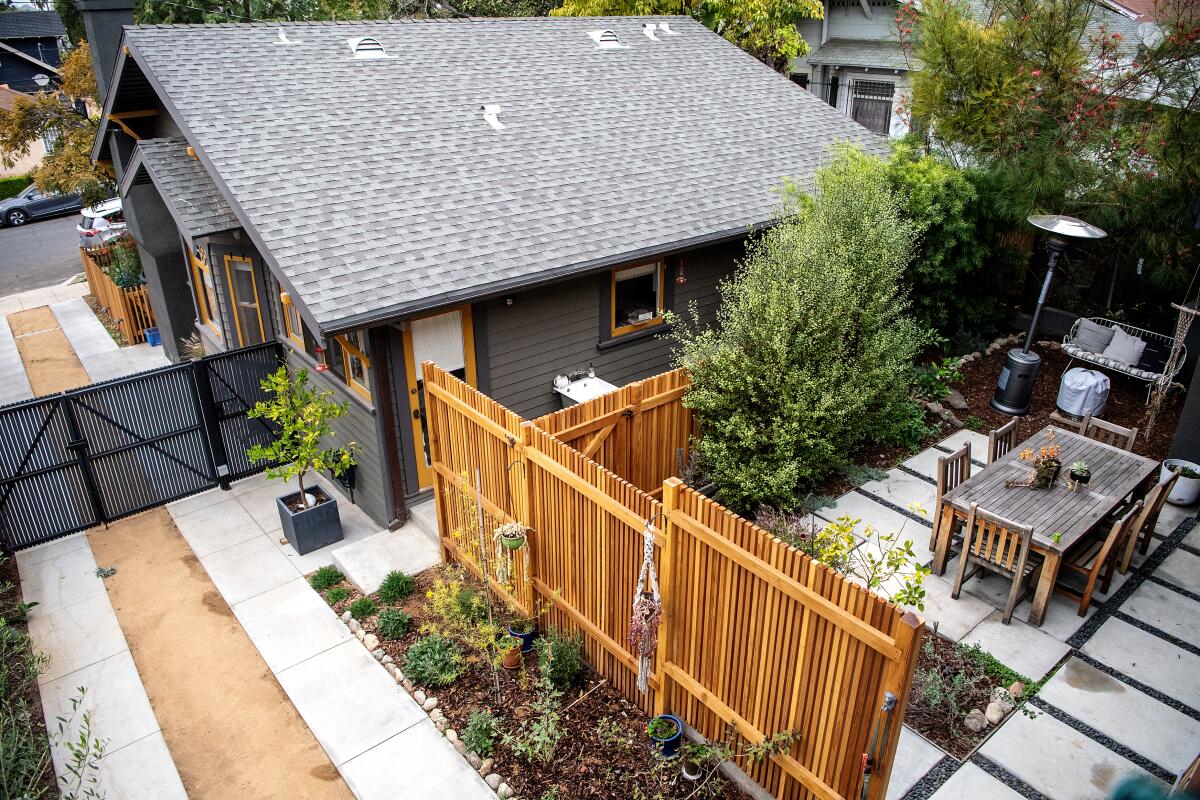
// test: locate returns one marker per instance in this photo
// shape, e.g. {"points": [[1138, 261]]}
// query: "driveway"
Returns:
{"points": [[40, 253]]}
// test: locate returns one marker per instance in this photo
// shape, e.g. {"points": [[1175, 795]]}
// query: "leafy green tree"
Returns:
{"points": [[764, 28], [814, 345], [303, 417], [72, 19], [67, 118]]}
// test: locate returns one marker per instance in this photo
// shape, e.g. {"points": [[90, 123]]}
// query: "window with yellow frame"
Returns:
{"points": [[206, 292], [356, 366], [292, 322], [638, 298]]}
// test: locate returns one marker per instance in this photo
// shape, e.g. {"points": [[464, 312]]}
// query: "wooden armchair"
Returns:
{"points": [[1108, 433], [1002, 440], [1096, 559], [998, 545], [1148, 519], [951, 471]]}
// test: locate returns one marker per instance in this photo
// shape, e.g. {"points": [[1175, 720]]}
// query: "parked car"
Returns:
{"points": [[31, 203], [101, 223]]}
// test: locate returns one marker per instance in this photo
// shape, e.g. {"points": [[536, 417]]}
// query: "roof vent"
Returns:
{"points": [[491, 115], [648, 30], [367, 47], [606, 40], [283, 38], [666, 28]]}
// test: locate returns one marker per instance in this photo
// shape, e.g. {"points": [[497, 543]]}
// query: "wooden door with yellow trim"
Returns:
{"points": [[448, 340], [244, 300]]}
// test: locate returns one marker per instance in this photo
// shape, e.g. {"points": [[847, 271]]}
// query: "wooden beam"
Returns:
{"points": [[126, 128], [752, 734], [598, 440], [149, 112], [782, 582], [594, 424], [494, 428], [457, 480], [664, 398]]}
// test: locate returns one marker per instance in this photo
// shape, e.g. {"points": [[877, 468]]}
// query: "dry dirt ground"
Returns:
{"points": [[232, 731], [50, 362]]}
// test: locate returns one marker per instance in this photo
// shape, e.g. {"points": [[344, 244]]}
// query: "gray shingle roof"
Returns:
{"points": [[30, 24], [198, 204], [378, 189], [877, 53]]}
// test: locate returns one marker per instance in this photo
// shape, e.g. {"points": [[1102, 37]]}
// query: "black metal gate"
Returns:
{"points": [[75, 460], [871, 105]]}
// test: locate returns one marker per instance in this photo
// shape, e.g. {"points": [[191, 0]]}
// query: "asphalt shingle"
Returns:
{"points": [[879, 53], [30, 25], [378, 188], [197, 201]]}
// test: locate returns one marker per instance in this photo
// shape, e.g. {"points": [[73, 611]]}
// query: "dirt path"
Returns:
{"points": [[232, 731], [50, 361]]}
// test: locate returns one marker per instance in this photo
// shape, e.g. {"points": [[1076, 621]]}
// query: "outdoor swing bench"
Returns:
{"points": [[1081, 345]]}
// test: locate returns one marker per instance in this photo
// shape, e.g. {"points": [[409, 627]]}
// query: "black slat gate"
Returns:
{"points": [[74, 460]]}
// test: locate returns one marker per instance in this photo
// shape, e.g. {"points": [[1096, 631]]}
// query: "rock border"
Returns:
{"points": [[431, 706]]}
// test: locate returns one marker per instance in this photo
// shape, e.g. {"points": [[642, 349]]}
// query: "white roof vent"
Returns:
{"points": [[606, 40], [367, 47], [648, 30], [666, 28], [491, 114], [283, 38]]}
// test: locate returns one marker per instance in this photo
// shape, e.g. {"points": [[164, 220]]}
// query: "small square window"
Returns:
{"points": [[356, 366], [637, 298]]}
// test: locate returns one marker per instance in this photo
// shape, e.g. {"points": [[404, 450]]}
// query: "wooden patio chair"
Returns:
{"points": [[998, 545], [1096, 559], [1144, 527], [951, 471], [1108, 433], [1002, 440]]}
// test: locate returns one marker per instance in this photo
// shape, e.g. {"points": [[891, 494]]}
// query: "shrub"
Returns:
{"points": [[560, 657], [362, 608], [537, 738], [125, 267], [337, 594], [471, 604], [11, 187], [433, 661], [813, 345], [394, 623], [325, 577], [481, 732], [396, 586]]}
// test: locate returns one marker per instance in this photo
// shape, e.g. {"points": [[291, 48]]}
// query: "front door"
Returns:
{"points": [[446, 339], [243, 299]]}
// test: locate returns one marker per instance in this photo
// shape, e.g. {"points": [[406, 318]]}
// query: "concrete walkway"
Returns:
{"points": [[1123, 695], [101, 357], [75, 625], [376, 735]]}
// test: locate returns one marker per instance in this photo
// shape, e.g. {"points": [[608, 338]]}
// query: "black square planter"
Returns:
{"points": [[313, 528]]}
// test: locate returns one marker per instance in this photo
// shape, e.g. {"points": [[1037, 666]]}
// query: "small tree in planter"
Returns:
{"points": [[303, 417]]}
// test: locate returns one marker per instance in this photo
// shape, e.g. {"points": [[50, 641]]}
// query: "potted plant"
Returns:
{"points": [[1080, 475], [1044, 462], [524, 630], [1187, 488], [694, 756], [512, 535], [302, 417], [511, 647], [666, 733]]}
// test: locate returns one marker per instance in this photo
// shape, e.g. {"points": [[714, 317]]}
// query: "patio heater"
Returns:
{"points": [[1014, 387]]}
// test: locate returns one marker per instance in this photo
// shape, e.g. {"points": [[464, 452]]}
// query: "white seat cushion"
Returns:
{"points": [[1124, 348]]}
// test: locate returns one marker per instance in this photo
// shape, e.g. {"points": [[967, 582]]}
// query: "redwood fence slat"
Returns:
{"points": [[130, 308], [754, 633]]}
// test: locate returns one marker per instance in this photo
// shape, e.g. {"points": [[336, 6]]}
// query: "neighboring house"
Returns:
{"points": [[37, 149], [511, 199], [856, 62], [30, 45]]}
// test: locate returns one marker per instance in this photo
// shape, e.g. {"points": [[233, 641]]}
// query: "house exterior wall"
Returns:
{"points": [[561, 327], [17, 72], [37, 151]]}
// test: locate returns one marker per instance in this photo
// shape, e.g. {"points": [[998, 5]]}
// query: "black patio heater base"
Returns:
{"points": [[1015, 385]]}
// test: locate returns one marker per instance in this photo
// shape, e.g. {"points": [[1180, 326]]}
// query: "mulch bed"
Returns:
{"points": [[1126, 401], [605, 752], [110, 324]]}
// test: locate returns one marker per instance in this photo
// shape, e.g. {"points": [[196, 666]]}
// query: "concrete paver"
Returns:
{"points": [[290, 623], [415, 764], [213, 526], [1165, 609], [1147, 659], [952, 618], [914, 757], [115, 698], [14, 383], [248, 569], [77, 636], [82, 329], [978, 442], [1057, 760], [1151, 729], [901, 488], [367, 562], [1021, 646], [970, 782], [1182, 569], [142, 770]]}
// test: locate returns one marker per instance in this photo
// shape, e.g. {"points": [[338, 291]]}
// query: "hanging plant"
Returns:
{"points": [[512, 535], [643, 625]]}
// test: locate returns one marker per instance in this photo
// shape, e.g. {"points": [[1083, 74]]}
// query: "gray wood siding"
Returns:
{"points": [[557, 328]]}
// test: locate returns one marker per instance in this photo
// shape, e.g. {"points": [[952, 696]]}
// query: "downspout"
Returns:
{"points": [[824, 22]]}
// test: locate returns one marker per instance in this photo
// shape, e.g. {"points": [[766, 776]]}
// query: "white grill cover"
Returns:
{"points": [[1082, 392]]}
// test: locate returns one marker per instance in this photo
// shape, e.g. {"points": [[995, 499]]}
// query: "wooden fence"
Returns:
{"points": [[754, 634], [130, 308]]}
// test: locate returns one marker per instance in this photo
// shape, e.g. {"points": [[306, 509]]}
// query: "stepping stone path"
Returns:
{"points": [[1122, 695]]}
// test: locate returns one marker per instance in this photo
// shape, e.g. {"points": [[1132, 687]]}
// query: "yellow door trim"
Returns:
{"points": [[233, 295]]}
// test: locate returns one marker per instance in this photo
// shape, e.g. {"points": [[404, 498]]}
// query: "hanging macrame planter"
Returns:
{"points": [[647, 611]]}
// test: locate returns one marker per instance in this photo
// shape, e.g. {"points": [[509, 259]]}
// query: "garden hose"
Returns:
{"points": [[870, 757]]}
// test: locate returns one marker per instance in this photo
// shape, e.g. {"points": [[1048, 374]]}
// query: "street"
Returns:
{"points": [[39, 253]]}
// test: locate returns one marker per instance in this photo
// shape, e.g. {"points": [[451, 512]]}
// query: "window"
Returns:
{"points": [[872, 105], [800, 79], [206, 292], [243, 291], [356, 367], [292, 323], [637, 298]]}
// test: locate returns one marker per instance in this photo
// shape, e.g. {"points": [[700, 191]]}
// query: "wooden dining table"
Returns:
{"points": [[1115, 475]]}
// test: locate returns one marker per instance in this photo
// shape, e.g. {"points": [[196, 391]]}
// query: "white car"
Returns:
{"points": [[101, 223]]}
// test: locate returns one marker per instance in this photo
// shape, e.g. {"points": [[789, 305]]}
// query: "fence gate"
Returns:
{"points": [[93, 455]]}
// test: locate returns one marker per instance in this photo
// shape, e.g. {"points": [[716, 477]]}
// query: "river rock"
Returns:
{"points": [[1001, 696], [486, 766], [957, 401], [387, 659], [419, 696], [371, 641], [430, 704], [493, 781], [975, 720], [504, 791], [360, 634], [346, 617], [353, 625], [1016, 690], [473, 760]]}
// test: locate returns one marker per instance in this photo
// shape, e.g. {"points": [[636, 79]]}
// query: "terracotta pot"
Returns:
{"points": [[512, 658]]}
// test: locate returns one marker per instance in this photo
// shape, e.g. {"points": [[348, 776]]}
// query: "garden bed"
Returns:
{"points": [[603, 751]]}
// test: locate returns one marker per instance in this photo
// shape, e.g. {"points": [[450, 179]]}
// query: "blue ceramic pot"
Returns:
{"points": [[526, 638], [669, 746]]}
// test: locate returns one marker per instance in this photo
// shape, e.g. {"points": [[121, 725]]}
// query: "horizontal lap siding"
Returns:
{"points": [[554, 329]]}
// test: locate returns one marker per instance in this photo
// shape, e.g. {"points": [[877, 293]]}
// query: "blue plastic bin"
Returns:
{"points": [[152, 337]]}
